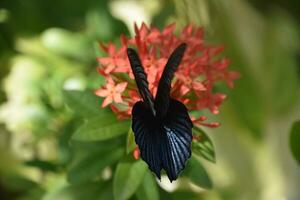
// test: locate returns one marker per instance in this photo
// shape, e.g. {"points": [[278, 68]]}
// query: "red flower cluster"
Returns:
{"points": [[200, 68]]}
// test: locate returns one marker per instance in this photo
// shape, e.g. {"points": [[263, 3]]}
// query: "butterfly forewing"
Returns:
{"points": [[140, 78], [164, 87]]}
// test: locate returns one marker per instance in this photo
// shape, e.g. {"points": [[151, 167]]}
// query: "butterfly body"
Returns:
{"points": [[162, 126]]}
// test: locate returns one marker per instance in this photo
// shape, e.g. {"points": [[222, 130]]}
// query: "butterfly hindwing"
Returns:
{"points": [[164, 144], [147, 136], [177, 130]]}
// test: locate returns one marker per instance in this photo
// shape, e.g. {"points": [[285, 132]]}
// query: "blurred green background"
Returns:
{"points": [[47, 60]]}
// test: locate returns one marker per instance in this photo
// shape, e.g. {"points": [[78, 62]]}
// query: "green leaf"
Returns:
{"points": [[43, 165], [184, 195], [197, 174], [91, 165], [89, 191], [148, 189], [128, 177], [294, 140], [100, 128], [179, 195], [34, 194], [203, 146], [82, 149], [84, 103], [18, 183], [130, 141]]}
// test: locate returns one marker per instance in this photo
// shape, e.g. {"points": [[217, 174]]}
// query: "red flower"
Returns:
{"points": [[136, 153], [194, 81], [112, 92]]}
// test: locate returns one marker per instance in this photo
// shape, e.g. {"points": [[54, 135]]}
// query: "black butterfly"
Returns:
{"points": [[162, 126]]}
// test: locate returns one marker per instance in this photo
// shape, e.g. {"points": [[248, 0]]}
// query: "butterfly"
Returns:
{"points": [[161, 125]]}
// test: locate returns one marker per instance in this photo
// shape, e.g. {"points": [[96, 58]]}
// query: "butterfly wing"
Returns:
{"points": [[176, 147], [141, 79], [147, 136], [162, 98], [165, 140], [164, 144]]}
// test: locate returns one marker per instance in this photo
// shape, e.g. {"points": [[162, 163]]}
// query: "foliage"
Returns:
{"points": [[294, 138], [56, 142]]}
